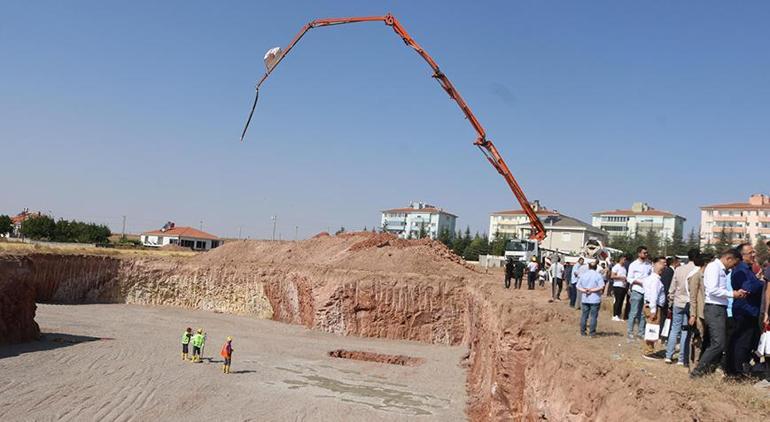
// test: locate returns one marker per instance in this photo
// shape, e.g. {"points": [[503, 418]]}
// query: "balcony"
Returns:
{"points": [[729, 218], [764, 230], [718, 229]]}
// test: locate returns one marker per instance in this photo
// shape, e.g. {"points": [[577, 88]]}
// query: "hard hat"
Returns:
{"points": [[200, 330], [229, 338]]}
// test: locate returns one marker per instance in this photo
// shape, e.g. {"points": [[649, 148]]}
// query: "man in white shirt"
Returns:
{"points": [[574, 277], [557, 275], [637, 271], [715, 309], [532, 269], [618, 277], [654, 299]]}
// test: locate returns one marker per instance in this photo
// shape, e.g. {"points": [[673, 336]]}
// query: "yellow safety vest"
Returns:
{"points": [[185, 338], [197, 340]]}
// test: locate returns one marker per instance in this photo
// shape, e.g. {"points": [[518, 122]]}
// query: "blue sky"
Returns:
{"points": [[135, 109]]}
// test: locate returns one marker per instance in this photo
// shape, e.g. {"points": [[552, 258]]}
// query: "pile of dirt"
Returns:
{"points": [[364, 251], [322, 234]]}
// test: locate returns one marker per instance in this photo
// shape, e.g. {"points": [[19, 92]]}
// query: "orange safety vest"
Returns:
{"points": [[226, 351]]}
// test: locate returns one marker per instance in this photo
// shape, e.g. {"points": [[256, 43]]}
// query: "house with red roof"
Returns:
{"points": [[640, 218], [186, 237], [563, 233], [19, 218]]}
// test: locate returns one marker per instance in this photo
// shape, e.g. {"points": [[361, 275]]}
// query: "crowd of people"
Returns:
{"points": [[198, 342], [703, 314]]}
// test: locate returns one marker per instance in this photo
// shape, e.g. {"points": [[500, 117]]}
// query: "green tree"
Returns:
{"points": [[445, 237], [6, 226], [723, 242], [39, 227], [678, 247], [497, 246], [763, 252], [693, 241], [652, 241], [422, 233], [477, 246], [340, 231]]}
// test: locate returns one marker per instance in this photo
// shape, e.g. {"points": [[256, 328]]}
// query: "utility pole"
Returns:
{"points": [[240, 230], [123, 235], [201, 226], [275, 222], [296, 232]]}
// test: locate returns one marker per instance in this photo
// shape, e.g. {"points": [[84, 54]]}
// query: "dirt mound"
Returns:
{"points": [[348, 251], [322, 234]]}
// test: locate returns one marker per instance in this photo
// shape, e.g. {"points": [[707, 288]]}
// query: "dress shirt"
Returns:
{"points": [[557, 270], [715, 283], [654, 295], [591, 279], [577, 271], [637, 271]]}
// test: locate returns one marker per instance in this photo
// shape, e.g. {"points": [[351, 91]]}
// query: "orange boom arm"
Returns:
{"points": [[485, 145]]}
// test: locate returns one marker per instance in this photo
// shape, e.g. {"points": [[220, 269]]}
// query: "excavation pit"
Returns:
{"points": [[376, 357]]}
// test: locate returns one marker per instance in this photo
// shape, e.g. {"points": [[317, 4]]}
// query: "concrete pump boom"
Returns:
{"points": [[485, 145]]}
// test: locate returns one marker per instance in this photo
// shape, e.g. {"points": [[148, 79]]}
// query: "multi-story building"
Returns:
{"points": [[741, 221], [563, 233], [417, 218], [640, 219]]}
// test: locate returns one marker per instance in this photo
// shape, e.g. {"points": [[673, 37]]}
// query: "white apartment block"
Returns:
{"points": [[408, 222], [640, 219], [741, 221]]}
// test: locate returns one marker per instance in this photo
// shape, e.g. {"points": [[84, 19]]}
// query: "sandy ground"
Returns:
{"points": [[122, 362]]}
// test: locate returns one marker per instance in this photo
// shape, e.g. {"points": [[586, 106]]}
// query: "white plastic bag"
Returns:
{"points": [[764, 344], [652, 332], [666, 328]]}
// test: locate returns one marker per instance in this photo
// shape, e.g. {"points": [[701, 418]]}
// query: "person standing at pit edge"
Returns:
{"points": [[227, 355], [618, 276], [745, 312], [557, 275], [715, 309], [590, 285], [508, 272], [532, 268], [654, 299], [637, 271], [186, 342]]}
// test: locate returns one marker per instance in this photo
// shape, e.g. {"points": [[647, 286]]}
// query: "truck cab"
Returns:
{"points": [[523, 249]]}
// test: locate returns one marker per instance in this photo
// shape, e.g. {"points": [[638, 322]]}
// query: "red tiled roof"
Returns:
{"points": [[19, 218], [650, 212], [736, 205], [184, 232], [431, 210]]}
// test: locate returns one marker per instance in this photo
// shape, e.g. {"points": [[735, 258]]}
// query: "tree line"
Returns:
{"points": [[43, 227]]}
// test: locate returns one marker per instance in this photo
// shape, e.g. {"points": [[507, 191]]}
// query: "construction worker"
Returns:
{"points": [[185, 342], [197, 342], [227, 354]]}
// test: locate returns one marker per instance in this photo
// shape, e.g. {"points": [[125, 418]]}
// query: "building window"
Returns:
{"points": [[200, 244]]}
